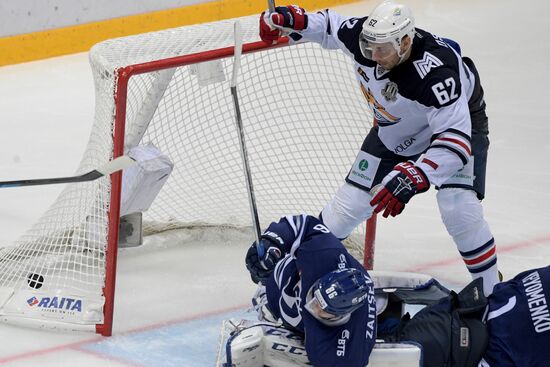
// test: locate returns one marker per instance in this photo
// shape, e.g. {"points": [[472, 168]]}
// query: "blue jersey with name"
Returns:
{"points": [[311, 252], [519, 322]]}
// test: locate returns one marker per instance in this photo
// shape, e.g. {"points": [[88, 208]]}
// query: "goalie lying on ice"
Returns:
{"points": [[317, 289], [319, 298]]}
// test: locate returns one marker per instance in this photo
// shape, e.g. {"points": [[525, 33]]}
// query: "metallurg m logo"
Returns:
{"points": [[427, 63]]}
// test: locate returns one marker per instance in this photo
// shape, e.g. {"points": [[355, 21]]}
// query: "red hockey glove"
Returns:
{"points": [[290, 17], [268, 33], [400, 185]]}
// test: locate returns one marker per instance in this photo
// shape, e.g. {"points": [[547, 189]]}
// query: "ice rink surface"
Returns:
{"points": [[172, 293]]}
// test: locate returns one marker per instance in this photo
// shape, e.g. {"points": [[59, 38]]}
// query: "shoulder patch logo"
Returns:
{"points": [[427, 63]]}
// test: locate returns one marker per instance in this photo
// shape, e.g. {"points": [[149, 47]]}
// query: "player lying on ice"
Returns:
{"points": [[336, 311], [316, 288]]}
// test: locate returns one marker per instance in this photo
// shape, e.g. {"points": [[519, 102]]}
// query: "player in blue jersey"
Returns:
{"points": [[510, 328], [518, 321], [430, 129], [316, 288], [311, 284]]}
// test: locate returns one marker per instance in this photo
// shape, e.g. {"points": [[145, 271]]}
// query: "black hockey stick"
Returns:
{"points": [[115, 165], [242, 142]]}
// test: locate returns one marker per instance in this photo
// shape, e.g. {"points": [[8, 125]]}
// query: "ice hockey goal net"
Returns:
{"points": [[304, 120]]}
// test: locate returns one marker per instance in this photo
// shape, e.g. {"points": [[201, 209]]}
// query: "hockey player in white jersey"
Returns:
{"points": [[430, 126]]}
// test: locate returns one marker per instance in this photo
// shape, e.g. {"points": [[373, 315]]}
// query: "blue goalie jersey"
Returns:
{"points": [[311, 252], [519, 322]]}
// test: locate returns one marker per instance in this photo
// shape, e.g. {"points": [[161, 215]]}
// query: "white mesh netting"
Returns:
{"points": [[304, 119]]}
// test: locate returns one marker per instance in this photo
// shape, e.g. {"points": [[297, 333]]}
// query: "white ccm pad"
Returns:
{"points": [[247, 343]]}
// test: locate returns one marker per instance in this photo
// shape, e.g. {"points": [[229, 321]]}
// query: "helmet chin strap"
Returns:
{"points": [[405, 55]]}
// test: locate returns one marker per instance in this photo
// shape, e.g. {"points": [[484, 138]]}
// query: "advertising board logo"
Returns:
{"points": [[56, 303]]}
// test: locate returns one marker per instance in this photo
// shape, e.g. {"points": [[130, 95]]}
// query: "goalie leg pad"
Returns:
{"points": [[347, 209], [259, 344], [247, 343]]}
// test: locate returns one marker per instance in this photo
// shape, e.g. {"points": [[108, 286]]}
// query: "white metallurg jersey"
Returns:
{"points": [[420, 105]]}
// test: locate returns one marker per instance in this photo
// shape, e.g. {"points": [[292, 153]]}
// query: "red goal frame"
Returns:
{"points": [[123, 76]]}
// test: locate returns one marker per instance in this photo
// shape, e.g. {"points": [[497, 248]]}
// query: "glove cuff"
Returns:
{"points": [[415, 174], [300, 17], [290, 18], [273, 238]]}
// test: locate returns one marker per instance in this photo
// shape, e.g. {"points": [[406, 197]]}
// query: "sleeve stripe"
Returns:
{"points": [[301, 225], [454, 140], [279, 268], [298, 221], [329, 28], [460, 154], [430, 163], [290, 220], [452, 132], [464, 146], [456, 147]]}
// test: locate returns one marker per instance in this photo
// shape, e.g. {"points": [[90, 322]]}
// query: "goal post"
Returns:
{"points": [[304, 118], [121, 94]]}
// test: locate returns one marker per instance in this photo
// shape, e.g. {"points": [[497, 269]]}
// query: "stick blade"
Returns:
{"points": [[116, 164], [238, 34]]}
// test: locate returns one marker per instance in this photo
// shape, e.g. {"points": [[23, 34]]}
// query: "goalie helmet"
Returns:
{"points": [[387, 23], [334, 296]]}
